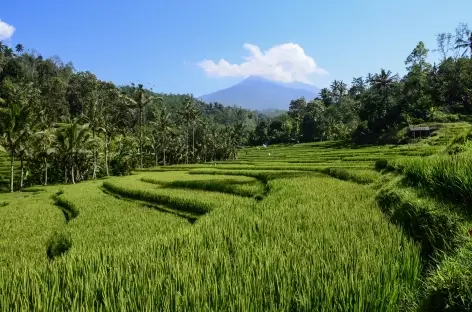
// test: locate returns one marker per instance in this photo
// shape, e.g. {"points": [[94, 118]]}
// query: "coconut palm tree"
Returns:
{"points": [[190, 113], [338, 89], [141, 99], [464, 39], [326, 96], [43, 148], [163, 124], [19, 48], [73, 140], [15, 127], [384, 81]]}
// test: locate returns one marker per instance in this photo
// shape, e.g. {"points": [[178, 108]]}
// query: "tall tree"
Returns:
{"points": [[141, 99], [163, 125], [73, 140], [43, 145], [338, 90], [190, 114], [326, 96], [384, 82], [15, 126], [464, 39], [296, 111]]}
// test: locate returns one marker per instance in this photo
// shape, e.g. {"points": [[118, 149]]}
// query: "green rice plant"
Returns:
{"points": [[313, 244], [231, 186], [58, 244], [449, 288], [358, 176], [185, 205], [33, 189], [330, 249], [68, 208], [27, 224], [434, 226], [446, 177]]}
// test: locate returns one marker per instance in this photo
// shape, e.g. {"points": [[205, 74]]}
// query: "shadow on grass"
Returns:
{"points": [[191, 218]]}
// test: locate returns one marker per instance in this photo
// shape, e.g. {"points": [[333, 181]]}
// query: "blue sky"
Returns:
{"points": [[163, 43]]}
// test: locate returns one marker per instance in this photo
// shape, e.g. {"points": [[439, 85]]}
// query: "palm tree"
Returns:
{"points": [[15, 127], [326, 96], [19, 48], [163, 125], [338, 89], [384, 82], [189, 114], [141, 100], [114, 107], [464, 39], [43, 147], [23, 152], [73, 140]]}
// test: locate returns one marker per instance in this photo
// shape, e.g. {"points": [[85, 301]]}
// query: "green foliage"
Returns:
{"points": [[381, 164], [373, 109], [45, 107]]}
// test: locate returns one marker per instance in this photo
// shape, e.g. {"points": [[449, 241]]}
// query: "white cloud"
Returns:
{"points": [[6, 30], [286, 62]]}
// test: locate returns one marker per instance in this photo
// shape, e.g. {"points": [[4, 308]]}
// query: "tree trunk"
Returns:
{"points": [[155, 155], [12, 171], [186, 154], [22, 173], [164, 157], [45, 171], [65, 174], [106, 154], [141, 138], [193, 142], [72, 174], [94, 170]]}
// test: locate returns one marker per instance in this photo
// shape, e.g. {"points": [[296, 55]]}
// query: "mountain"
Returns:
{"points": [[258, 93]]}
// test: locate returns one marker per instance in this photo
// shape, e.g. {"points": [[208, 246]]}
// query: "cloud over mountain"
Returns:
{"points": [[287, 62]]}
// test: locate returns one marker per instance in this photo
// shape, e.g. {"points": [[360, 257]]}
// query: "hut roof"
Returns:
{"points": [[419, 128]]}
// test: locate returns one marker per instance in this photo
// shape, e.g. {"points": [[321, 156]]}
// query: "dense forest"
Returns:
{"points": [[62, 125], [374, 108]]}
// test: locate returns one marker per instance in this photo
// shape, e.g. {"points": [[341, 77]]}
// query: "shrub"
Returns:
{"points": [[381, 164]]}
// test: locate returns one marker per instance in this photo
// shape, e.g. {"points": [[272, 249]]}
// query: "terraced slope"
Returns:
{"points": [[310, 227], [326, 248]]}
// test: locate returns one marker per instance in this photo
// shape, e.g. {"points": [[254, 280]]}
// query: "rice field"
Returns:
{"points": [[306, 227]]}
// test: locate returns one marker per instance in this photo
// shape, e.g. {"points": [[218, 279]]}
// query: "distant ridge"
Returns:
{"points": [[257, 93]]}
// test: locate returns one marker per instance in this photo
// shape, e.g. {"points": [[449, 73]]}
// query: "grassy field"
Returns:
{"points": [[306, 227]]}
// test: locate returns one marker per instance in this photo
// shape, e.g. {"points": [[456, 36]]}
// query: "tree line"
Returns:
{"points": [[374, 108], [62, 125]]}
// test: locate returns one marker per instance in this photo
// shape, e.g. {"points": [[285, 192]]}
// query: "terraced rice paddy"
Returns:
{"points": [[283, 228]]}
